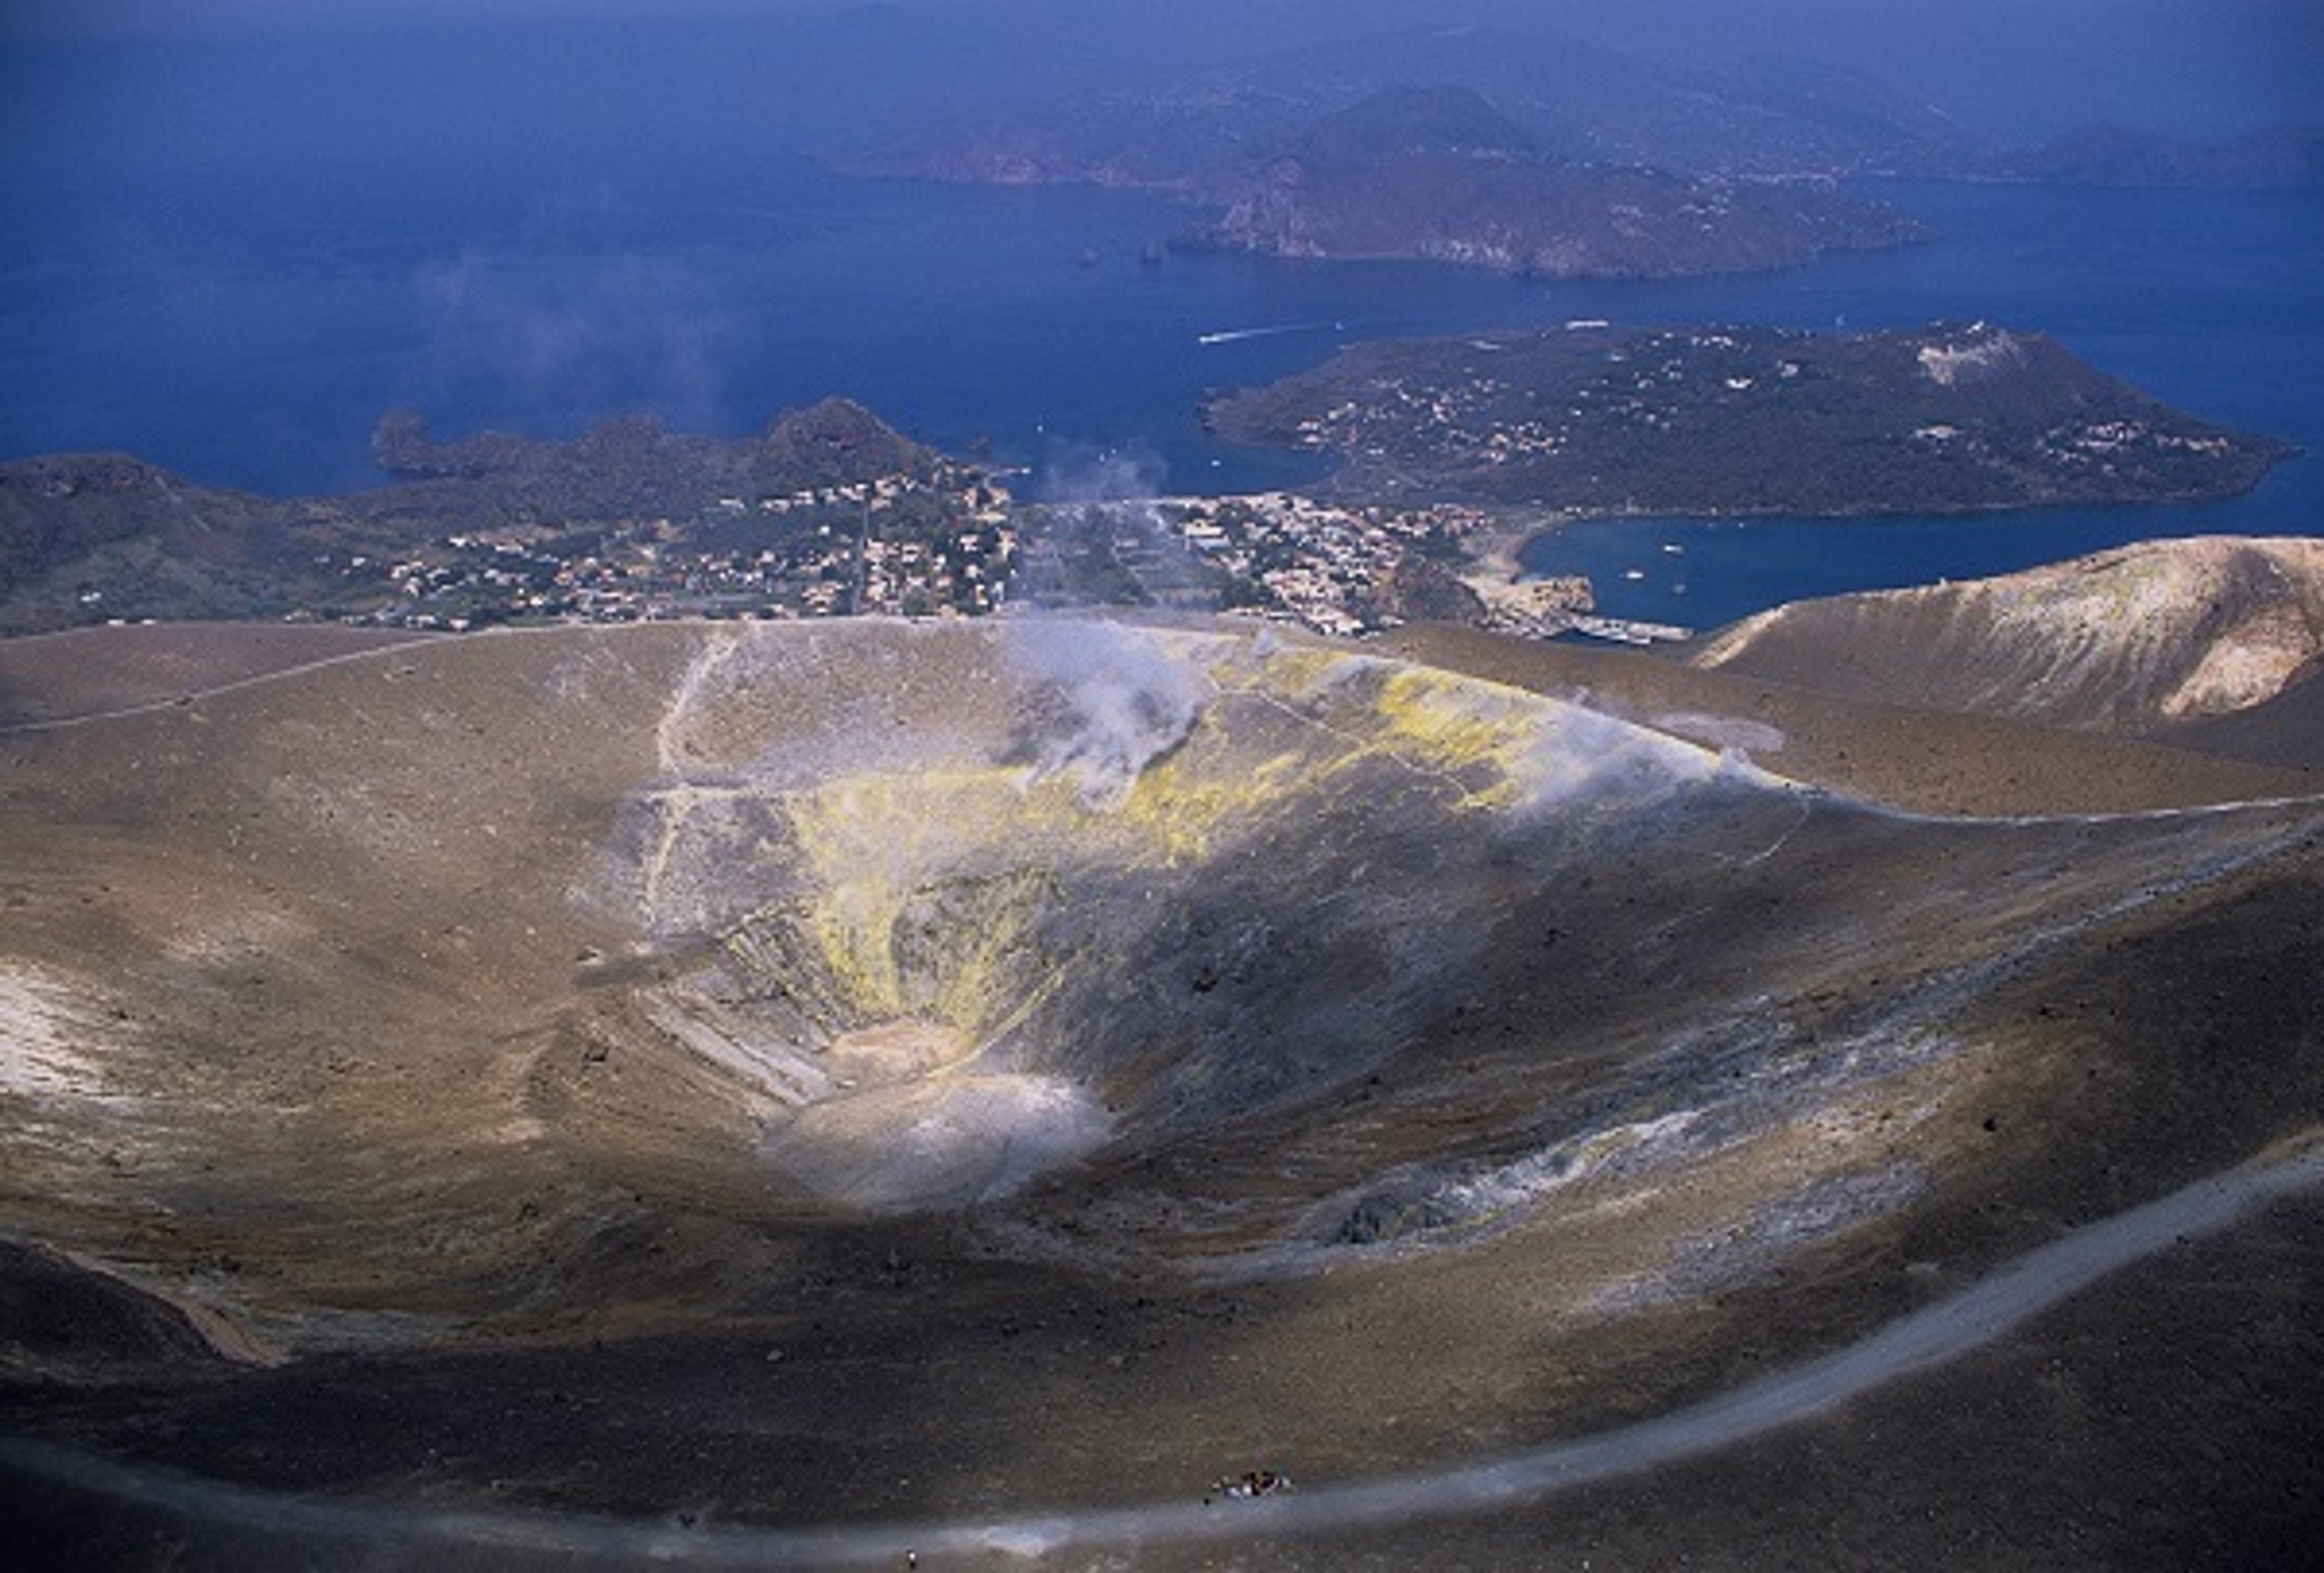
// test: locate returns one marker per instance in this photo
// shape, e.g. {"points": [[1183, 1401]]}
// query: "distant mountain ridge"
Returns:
{"points": [[1770, 117], [1197, 132], [2279, 158], [1486, 147]]}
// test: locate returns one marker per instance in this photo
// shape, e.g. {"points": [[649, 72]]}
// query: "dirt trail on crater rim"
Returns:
{"points": [[553, 1050], [1986, 1310]]}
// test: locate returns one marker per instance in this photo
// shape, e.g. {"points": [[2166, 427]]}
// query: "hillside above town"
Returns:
{"points": [[827, 509], [1730, 419]]}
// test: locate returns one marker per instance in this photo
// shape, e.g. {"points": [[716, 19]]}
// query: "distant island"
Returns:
{"points": [[1202, 131], [2284, 158], [1212, 135], [1440, 175], [1434, 173], [1598, 417]]}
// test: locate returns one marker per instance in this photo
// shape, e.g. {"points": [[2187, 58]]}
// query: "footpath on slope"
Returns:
{"points": [[1984, 1313]]}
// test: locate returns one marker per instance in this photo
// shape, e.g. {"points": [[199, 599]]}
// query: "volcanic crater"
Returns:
{"points": [[812, 1074]]}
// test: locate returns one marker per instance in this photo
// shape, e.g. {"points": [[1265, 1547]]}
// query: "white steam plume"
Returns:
{"points": [[1078, 472], [1123, 701], [1584, 757]]}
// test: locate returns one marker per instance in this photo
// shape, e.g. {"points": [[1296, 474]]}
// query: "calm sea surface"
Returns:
{"points": [[248, 329]]}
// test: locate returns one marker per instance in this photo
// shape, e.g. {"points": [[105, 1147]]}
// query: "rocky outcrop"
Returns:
{"points": [[833, 442]]}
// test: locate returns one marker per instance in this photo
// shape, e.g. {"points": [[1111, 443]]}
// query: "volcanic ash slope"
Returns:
{"points": [[550, 988], [2146, 638]]}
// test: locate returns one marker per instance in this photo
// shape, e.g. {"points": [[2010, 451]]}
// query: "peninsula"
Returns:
{"points": [[1735, 420]]}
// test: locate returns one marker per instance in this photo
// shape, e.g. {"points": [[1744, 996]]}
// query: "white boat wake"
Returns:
{"points": [[1236, 335]]}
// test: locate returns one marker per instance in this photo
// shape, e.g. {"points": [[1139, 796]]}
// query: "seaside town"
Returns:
{"points": [[957, 544], [1448, 453]]}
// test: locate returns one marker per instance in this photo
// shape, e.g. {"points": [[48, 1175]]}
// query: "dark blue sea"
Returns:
{"points": [[247, 327]]}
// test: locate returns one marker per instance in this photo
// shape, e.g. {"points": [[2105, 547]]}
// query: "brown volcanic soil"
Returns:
{"points": [[1919, 757], [51, 676], [2158, 639], [332, 1024]]}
